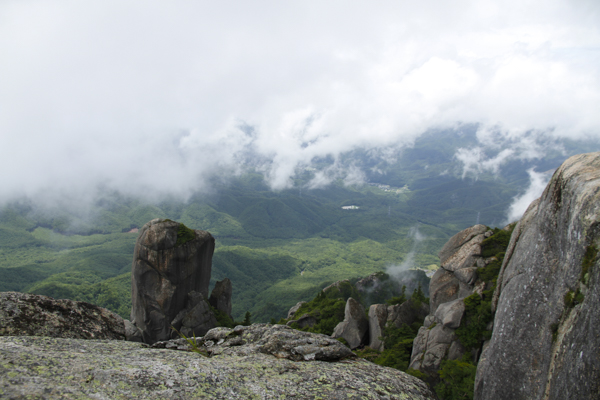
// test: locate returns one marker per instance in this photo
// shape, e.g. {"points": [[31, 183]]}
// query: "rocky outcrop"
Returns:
{"points": [[456, 279], [250, 362], [197, 318], [355, 326], [380, 286], [545, 340], [305, 321], [381, 315], [23, 314], [220, 297], [170, 261], [377, 319], [406, 313], [295, 308]]}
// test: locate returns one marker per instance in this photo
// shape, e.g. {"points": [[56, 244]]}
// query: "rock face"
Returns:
{"points": [[170, 261], [377, 319], [35, 315], [220, 297], [545, 340], [295, 308], [381, 315], [452, 282], [244, 363], [355, 326], [197, 318]]}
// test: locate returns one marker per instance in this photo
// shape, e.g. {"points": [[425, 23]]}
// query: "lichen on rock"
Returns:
{"points": [[55, 368]]}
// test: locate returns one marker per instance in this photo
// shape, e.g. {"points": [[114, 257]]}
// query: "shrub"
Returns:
{"points": [[457, 379], [472, 329], [496, 243], [398, 299]]}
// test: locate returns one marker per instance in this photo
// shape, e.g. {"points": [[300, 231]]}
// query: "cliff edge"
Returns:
{"points": [[545, 342]]}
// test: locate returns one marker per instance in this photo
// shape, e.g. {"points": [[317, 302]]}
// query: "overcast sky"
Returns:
{"points": [[151, 97]]}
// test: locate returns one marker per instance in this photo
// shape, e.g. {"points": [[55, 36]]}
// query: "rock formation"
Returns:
{"points": [[377, 319], [247, 362], [355, 326], [295, 308], [381, 315], [453, 281], [196, 318], [220, 297], [23, 314], [545, 340], [170, 261]]}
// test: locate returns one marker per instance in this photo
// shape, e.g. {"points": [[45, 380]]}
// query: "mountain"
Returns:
{"points": [[278, 247]]}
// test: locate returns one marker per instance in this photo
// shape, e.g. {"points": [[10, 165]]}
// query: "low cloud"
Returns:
{"points": [[537, 184], [156, 99], [395, 271]]}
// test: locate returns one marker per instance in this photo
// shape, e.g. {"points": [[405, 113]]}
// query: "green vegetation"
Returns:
{"points": [[472, 330], [591, 253], [398, 342], [397, 345], [457, 379], [223, 319], [192, 342], [327, 308], [247, 319], [277, 247], [397, 299], [572, 298], [184, 235], [497, 243]]}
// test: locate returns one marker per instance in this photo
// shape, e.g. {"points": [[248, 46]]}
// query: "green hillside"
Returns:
{"points": [[277, 247]]}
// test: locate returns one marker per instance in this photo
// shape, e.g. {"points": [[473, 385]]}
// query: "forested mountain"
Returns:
{"points": [[277, 247]]}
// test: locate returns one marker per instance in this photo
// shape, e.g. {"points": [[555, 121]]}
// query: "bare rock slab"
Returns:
{"points": [[39, 367], [36, 315]]}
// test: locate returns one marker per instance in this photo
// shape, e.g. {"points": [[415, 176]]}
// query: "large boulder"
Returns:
{"points": [[355, 326], [443, 287], [545, 340], [23, 314], [463, 249], [170, 261], [261, 361]]}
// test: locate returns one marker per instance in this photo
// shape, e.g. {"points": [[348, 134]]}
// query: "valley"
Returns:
{"points": [[277, 247]]}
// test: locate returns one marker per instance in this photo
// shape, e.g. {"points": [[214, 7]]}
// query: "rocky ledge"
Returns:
{"points": [[255, 362]]}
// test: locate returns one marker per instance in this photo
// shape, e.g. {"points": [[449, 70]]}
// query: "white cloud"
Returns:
{"points": [[149, 97], [537, 184]]}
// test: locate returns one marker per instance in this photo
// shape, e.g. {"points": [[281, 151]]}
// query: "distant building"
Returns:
{"points": [[350, 208]]}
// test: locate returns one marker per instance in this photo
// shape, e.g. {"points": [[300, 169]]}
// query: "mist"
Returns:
{"points": [[154, 99], [396, 271], [537, 184]]}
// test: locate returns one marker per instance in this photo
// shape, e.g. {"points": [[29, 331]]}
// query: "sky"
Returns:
{"points": [[154, 97]]}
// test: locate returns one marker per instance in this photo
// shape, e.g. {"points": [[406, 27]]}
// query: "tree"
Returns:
{"points": [[247, 319]]}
